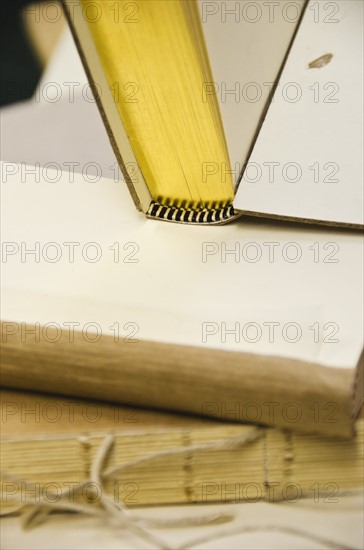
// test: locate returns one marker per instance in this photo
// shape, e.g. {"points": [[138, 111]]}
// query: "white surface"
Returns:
{"points": [[170, 291], [64, 135], [340, 523], [314, 129]]}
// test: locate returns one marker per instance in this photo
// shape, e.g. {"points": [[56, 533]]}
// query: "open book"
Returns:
{"points": [[198, 97]]}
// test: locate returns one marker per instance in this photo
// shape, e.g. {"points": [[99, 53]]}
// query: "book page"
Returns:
{"points": [[75, 250], [308, 160], [247, 43]]}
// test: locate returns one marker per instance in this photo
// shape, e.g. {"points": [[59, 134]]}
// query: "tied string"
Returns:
{"points": [[119, 516], [117, 513]]}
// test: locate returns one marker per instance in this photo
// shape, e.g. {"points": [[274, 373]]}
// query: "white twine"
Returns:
{"points": [[35, 513], [118, 515]]}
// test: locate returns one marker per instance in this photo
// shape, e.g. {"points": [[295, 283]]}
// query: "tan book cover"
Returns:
{"points": [[48, 444]]}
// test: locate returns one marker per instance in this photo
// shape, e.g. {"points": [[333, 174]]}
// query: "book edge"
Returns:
{"points": [[247, 380]]}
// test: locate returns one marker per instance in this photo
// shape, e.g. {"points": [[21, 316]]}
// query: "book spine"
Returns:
{"points": [[231, 386], [276, 466], [198, 217]]}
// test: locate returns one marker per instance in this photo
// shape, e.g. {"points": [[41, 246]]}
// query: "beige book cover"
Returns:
{"points": [[161, 458]]}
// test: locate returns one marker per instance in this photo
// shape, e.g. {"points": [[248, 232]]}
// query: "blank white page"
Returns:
{"points": [[308, 159], [247, 43], [169, 279]]}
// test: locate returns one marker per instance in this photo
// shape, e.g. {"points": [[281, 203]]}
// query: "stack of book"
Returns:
{"points": [[235, 332]]}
